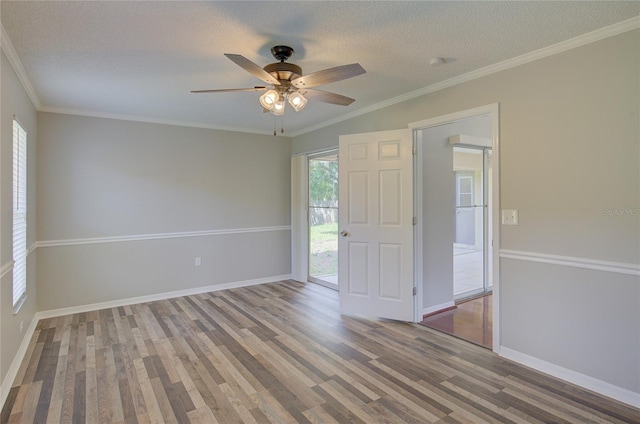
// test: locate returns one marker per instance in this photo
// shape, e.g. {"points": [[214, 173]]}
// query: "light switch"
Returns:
{"points": [[509, 217]]}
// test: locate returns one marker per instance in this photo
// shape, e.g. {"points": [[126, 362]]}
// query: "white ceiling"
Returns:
{"points": [[140, 59]]}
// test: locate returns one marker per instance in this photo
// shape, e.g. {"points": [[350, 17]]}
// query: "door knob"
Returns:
{"points": [[344, 233]]}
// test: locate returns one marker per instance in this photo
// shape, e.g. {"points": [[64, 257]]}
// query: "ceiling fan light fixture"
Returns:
{"points": [[269, 99], [278, 107], [284, 79], [297, 101]]}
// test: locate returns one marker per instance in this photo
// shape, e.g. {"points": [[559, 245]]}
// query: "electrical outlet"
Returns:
{"points": [[509, 217], [198, 261], [21, 326]]}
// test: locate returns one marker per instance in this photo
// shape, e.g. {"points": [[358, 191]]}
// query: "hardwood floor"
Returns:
{"points": [[470, 320], [278, 353]]}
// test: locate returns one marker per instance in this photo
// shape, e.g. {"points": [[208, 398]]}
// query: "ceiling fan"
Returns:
{"points": [[287, 83]]}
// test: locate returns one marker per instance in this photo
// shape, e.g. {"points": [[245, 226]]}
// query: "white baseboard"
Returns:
{"points": [[17, 361], [585, 381], [159, 296], [437, 308], [22, 350]]}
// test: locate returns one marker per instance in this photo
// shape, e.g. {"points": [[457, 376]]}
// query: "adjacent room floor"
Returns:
{"points": [[471, 320], [278, 353]]}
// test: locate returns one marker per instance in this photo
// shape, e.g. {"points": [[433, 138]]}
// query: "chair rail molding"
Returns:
{"points": [[571, 261], [138, 237], [6, 268]]}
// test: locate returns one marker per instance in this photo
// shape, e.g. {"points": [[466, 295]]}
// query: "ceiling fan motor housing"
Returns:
{"points": [[284, 71], [281, 53]]}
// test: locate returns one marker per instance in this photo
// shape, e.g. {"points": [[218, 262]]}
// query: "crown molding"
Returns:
{"points": [[16, 63], [581, 40], [572, 43], [143, 119]]}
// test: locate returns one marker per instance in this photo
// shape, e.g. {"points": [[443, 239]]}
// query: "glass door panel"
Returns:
{"points": [[323, 219], [470, 246]]}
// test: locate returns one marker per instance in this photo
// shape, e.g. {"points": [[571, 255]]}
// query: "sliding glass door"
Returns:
{"points": [[472, 221], [323, 218]]}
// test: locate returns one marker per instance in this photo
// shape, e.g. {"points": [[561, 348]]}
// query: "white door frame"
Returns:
{"points": [[494, 111], [299, 216]]}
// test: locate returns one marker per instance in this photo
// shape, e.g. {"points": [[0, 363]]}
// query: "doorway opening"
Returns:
{"points": [[323, 218], [472, 270], [457, 231]]}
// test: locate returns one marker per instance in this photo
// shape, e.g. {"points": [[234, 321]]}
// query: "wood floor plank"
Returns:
{"points": [[276, 353]]}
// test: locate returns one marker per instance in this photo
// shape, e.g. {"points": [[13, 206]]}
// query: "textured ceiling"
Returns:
{"points": [[139, 60]]}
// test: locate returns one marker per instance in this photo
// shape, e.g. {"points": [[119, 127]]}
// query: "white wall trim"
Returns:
{"points": [[158, 296], [437, 308], [31, 248], [582, 380], [144, 119], [6, 268], [616, 267], [16, 64], [17, 361], [117, 239], [581, 40]]}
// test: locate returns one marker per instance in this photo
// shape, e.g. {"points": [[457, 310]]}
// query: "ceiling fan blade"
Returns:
{"points": [[327, 97], [252, 68], [230, 90], [326, 76]]}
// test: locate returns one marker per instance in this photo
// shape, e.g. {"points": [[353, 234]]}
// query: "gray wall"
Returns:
{"points": [[438, 226], [101, 178], [569, 134], [15, 102]]}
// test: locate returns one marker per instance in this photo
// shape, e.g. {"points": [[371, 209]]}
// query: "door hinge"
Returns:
{"points": [[415, 220], [415, 291], [414, 150]]}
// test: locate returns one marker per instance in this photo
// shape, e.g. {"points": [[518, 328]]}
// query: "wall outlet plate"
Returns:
{"points": [[509, 217]]}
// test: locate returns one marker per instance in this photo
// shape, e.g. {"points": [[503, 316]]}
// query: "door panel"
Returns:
{"points": [[358, 198], [390, 198], [375, 265], [390, 271], [358, 269]]}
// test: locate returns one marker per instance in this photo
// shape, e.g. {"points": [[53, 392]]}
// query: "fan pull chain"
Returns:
{"points": [[275, 132]]}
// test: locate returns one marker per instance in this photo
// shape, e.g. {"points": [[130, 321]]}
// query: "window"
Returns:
{"points": [[465, 191], [19, 214]]}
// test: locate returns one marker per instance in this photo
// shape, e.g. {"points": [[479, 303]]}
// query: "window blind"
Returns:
{"points": [[19, 213]]}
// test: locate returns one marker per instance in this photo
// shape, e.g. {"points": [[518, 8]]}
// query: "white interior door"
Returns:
{"points": [[375, 247]]}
